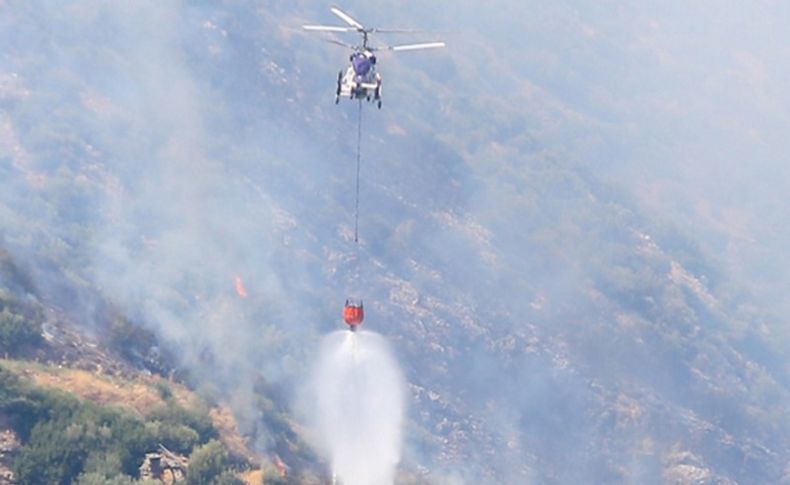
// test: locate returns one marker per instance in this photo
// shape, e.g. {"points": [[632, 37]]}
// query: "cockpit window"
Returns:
{"points": [[361, 64]]}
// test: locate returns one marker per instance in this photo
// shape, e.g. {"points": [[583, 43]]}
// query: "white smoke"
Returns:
{"points": [[358, 394]]}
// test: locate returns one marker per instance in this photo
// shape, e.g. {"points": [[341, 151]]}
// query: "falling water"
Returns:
{"points": [[358, 408]]}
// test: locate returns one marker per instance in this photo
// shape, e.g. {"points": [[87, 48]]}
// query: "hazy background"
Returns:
{"points": [[572, 230]]}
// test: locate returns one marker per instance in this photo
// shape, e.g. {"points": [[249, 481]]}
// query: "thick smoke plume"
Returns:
{"points": [[358, 393]]}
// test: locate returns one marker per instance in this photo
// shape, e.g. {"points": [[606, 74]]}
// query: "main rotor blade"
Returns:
{"points": [[328, 28], [337, 42], [347, 18], [403, 31], [412, 47]]}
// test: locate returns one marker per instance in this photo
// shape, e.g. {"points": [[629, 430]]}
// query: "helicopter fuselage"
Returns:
{"points": [[360, 80]]}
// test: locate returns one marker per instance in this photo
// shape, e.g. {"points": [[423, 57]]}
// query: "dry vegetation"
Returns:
{"points": [[137, 396], [222, 419], [140, 396], [253, 477]]}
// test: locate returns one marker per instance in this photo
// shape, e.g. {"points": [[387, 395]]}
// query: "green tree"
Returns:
{"points": [[104, 463], [71, 437], [66, 438], [173, 435], [197, 421], [16, 332], [95, 478], [207, 463]]}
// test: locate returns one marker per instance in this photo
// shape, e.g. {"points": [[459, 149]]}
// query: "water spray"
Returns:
{"points": [[358, 393]]}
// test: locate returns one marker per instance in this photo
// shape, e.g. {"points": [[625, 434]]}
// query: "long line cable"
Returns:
{"points": [[359, 156]]}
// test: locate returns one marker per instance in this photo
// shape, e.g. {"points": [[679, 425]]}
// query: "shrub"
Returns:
{"points": [[12, 275], [174, 436], [207, 463], [94, 478], [66, 439], [17, 332], [164, 390], [81, 436], [107, 464], [131, 341], [197, 421]]}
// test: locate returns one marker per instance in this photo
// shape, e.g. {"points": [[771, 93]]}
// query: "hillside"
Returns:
{"points": [[572, 225], [76, 383]]}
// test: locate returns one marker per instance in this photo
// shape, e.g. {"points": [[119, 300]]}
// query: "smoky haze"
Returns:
{"points": [[163, 222], [573, 220]]}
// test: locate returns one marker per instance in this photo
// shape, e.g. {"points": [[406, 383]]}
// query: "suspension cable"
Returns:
{"points": [[359, 156]]}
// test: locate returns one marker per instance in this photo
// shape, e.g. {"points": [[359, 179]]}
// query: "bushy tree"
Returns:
{"points": [[12, 275], [174, 436], [132, 341], [197, 421], [271, 476], [104, 463], [53, 455], [79, 437], [16, 332], [164, 390], [95, 478], [207, 463], [65, 438]]}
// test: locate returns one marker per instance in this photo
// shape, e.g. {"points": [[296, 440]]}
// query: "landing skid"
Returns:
{"points": [[339, 81]]}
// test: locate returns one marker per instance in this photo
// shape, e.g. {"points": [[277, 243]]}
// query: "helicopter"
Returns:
{"points": [[360, 80]]}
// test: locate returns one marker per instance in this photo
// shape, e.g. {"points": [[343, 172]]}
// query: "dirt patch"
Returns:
{"points": [[254, 477], [229, 435], [136, 396]]}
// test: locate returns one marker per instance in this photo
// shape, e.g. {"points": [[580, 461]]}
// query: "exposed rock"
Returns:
{"points": [[165, 466], [9, 445]]}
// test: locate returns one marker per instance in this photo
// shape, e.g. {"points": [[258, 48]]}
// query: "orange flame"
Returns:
{"points": [[240, 290], [281, 467]]}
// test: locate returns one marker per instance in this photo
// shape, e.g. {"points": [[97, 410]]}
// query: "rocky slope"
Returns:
{"points": [[553, 325]]}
